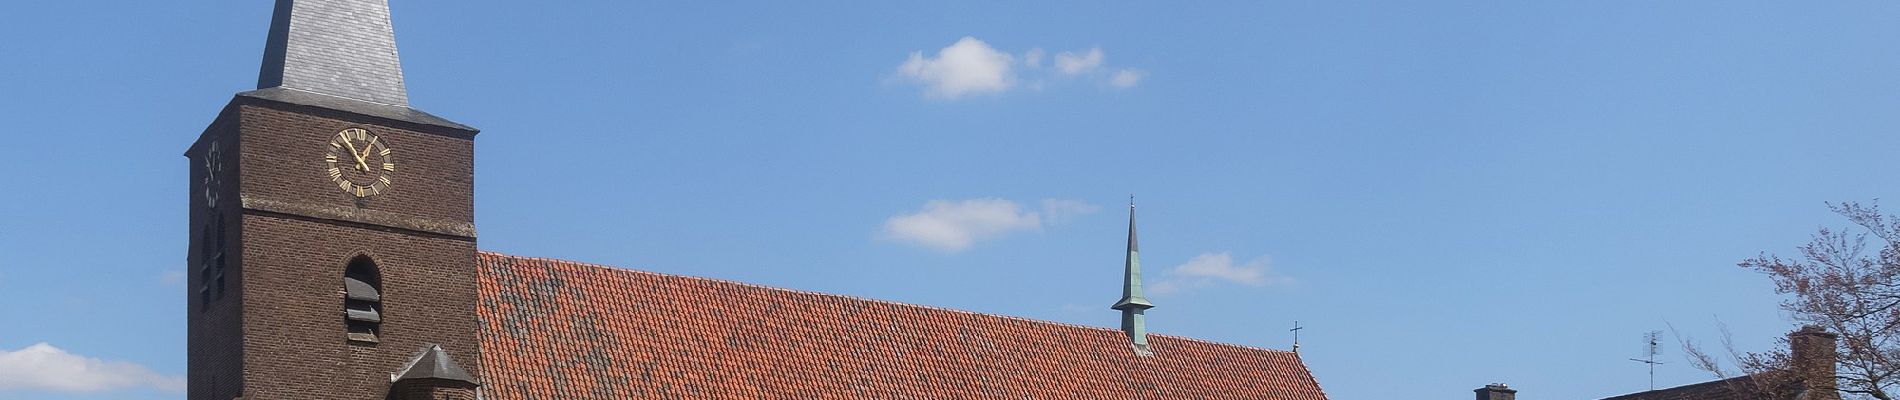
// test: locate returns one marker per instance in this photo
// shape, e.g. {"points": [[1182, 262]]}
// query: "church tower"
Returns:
{"points": [[332, 225]]}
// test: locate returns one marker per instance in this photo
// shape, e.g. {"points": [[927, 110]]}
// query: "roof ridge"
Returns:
{"points": [[1723, 382], [850, 297]]}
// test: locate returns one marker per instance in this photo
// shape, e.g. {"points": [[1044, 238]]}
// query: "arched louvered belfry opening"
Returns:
{"points": [[211, 262], [363, 300]]}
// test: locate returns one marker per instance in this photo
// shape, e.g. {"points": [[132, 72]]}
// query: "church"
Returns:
{"points": [[334, 256]]}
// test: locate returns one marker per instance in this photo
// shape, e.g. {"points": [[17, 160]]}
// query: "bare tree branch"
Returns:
{"points": [[1838, 284]]}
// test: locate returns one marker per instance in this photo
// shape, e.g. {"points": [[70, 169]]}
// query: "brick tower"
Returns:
{"points": [[332, 225]]}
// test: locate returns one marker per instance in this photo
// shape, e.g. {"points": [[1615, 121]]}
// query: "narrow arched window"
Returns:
{"points": [[207, 254], [363, 300]]}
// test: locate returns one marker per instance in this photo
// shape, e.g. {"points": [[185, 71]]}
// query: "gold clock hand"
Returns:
{"points": [[353, 153], [370, 145], [362, 157]]}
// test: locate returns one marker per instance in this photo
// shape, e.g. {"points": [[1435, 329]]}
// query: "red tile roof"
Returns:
{"points": [[563, 330]]}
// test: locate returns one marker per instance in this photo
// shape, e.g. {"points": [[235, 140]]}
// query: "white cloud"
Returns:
{"points": [[1210, 268], [44, 367], [1125, 78], [954, 226], [1076, 64], [968, 66], [1221, 266], [971, 67]]}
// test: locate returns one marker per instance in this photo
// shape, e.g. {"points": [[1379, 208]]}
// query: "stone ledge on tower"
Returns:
{"points": [[319, 100]]}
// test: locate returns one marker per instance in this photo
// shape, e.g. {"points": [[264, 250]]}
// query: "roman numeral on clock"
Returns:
{"points": [[350, 150]]}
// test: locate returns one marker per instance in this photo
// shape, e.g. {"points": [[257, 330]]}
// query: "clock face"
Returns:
{"points": [[214, 174], [359, 162]]}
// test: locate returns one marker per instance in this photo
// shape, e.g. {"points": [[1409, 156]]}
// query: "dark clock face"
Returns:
{"points": [[359, 162], [214, 174]]}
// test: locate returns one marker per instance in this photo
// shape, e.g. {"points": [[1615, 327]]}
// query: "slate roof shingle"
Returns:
{"points": [[1724, 389], [563, 330], [1773, 385]]}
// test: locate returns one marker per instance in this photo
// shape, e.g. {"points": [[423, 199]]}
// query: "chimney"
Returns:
{"points": [[1813, 360], [1496, 391]]}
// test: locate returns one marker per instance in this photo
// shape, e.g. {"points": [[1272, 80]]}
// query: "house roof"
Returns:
{"points": [[1746, 387], [556, 329], [1725, 389]]}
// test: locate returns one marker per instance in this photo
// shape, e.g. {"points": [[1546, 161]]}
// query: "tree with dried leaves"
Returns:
{"points": [[1847, 282]]}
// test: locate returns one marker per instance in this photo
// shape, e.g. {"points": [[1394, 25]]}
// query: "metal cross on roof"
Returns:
{"points": [[1296, 335]]}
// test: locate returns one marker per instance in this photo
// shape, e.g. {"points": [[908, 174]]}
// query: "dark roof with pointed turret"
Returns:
{"points": [[433, 363]]}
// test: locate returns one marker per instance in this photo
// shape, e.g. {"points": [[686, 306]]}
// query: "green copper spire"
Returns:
{"points": [[1133, 305]]}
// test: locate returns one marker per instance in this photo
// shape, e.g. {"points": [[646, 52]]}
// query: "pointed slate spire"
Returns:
{"points": [[1133, 304], [342, 48]]}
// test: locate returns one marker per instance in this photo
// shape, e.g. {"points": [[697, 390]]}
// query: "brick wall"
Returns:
{"points": [[445, 391], [283, 149], [214, 329], [296, 348], [278, 331]]}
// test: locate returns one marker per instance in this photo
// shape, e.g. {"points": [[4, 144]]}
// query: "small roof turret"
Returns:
{"points": [[432, 363], [1133, 305]]}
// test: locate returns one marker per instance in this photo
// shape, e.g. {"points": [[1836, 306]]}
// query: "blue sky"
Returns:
{"points": [[1447, 194]]}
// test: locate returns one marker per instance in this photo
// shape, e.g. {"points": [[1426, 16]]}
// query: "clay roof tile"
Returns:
{"points": [[559, 329]]}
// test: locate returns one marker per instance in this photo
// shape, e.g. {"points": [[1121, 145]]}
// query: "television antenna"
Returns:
{"points": [[1652, 347]]}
